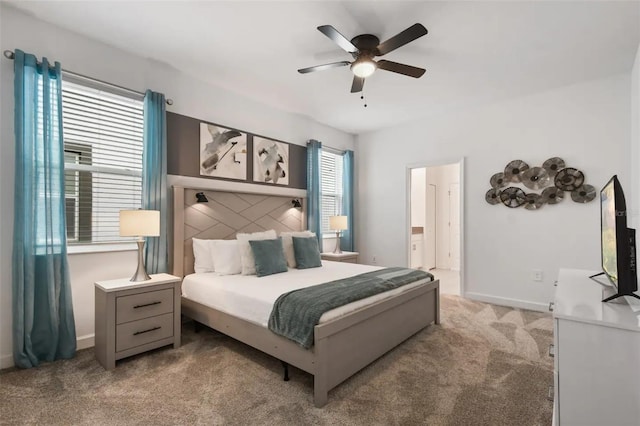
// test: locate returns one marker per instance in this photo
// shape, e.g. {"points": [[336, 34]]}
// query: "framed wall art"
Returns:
{"points": [[223, 152], [270, 161]]}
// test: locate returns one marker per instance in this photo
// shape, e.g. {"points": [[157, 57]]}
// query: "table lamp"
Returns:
{"points": [[337, 223], [140, 223]]}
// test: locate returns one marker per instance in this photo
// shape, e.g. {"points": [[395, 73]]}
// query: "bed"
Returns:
{"points": [[346, 340]]}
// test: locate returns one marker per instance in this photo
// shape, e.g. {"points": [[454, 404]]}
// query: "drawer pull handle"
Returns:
{"points": [[552, 350], [551, 306], [146, 331], [147, 304], [550, 394]]}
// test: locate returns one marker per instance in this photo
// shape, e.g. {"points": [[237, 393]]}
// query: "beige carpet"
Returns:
{"points": [[484, 365]]}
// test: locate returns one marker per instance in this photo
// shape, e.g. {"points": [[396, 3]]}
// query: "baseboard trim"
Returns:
{"points": [[82, 342], [6, 361], [505, 301], [86, 341]]}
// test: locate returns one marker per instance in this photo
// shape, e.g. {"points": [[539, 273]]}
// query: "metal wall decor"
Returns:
{"points": [[553, 178]]}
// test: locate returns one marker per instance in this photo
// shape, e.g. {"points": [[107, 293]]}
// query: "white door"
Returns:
{"points": [[430, 229], [454, 226], [416, 251]]}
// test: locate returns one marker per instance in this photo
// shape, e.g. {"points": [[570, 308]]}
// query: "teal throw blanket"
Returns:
{"points": [[295, 313]]}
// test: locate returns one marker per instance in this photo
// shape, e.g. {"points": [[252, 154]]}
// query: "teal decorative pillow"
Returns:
{"points": [[269, 256], [306, 252]]}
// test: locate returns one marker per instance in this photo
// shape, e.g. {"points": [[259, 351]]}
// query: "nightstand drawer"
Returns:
{"points": [[144, 331], [350, 260], [143, 305]]}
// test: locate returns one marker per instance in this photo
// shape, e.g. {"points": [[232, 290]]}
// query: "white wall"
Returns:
{"points": [[634, 158], [587, 124], [418, 196], [418, 203], [191, 97]]}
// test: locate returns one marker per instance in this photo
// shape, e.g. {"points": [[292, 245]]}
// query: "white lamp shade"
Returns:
{"points": [[337, 223], [139, 223]]}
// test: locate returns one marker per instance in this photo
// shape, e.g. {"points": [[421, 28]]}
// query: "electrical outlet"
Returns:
{"points": [[373, 259], [536, 275]]}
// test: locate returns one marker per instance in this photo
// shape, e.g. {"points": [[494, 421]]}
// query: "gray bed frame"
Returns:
{"points": [[342, 346]]}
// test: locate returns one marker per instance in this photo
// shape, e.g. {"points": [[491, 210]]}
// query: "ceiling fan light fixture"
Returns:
{"points": [[363, 67]]}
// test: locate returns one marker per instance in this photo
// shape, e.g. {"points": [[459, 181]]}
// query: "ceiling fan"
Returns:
{"points": [[364, 48]]}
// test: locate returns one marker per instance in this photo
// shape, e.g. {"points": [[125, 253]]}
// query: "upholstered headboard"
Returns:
{"points": [[226, 214]]}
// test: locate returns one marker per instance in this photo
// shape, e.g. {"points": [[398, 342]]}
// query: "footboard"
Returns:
{"points": [[344, 345], [350, 343]]}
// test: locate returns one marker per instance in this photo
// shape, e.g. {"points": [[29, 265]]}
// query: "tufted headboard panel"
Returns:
{"points": [[226, 214]]}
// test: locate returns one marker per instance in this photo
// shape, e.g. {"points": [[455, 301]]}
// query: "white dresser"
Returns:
{"points": [[597, 355]]}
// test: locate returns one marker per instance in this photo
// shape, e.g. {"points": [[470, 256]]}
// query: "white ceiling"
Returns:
{"points": [[475, 51]]}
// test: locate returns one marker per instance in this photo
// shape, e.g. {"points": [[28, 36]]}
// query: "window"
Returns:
{"points": [[103, 159], [331, 168]]}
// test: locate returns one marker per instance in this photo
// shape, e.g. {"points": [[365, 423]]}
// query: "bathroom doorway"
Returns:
{"points": [[435, 207]]}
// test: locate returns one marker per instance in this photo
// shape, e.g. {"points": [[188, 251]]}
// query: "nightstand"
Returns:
{"points": [[135, 317], [345, 256]]}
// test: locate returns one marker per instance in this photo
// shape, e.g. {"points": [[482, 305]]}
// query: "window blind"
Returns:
{"points": [[331, 182], [103, 134]]}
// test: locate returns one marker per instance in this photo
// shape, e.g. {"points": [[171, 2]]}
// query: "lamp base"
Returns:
{"points": [[337, 250], [141, 272]]}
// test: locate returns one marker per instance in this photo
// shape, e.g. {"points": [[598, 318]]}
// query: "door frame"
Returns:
{"points": [[407, 207], [450, 239], [435, 230]]}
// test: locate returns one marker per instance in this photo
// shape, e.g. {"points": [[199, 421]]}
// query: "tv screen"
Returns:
{"points": [[609, 245], [618, 241]]}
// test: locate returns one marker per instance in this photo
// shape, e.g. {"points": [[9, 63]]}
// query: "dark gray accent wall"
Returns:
{"points": [[183, 152]]}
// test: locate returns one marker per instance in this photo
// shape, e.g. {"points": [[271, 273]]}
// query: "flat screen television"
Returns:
{"points": [[617, 241]]}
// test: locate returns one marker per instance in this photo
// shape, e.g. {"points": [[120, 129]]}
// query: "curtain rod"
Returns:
{"points": [[334, 150], [10, 55]]}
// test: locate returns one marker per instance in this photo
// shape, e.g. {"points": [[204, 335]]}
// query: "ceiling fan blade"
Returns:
{"points": [[358, 83], [414, 72], [407, 36], [324, 67], [337, 38]]}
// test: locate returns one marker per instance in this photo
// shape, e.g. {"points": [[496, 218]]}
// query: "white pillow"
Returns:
{"points": [[202, 255], [226, 257], [287, 245], [246, 255]]}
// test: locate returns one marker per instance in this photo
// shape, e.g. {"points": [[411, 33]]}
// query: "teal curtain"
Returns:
{"points": [[314, 188], [43, 323], [154, 177], [347, 239]]}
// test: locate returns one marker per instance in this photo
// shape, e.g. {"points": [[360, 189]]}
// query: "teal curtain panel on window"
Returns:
{"points": [[43, 323], [347, 239], [154, 177], [314, 186]]}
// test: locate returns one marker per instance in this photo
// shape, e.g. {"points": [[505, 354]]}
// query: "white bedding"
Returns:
{"points": [[252, 298]]}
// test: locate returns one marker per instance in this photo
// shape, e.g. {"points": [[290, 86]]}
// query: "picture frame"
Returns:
{"points": [[270, 161], [223, 152]]}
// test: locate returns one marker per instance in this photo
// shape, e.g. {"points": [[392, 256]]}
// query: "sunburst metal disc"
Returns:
{"points": [[498, 180], [536, 178], [512, 197], [492, 196], [513, 171], [552, 195], [553, 165], [584, 194], [569, 179], [533, 202]]}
